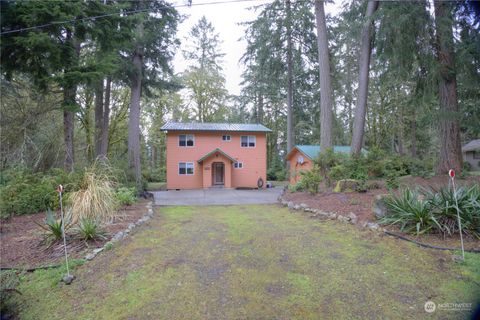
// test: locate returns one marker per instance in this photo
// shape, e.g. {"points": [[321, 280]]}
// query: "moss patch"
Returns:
{"points": [[255, 261]]}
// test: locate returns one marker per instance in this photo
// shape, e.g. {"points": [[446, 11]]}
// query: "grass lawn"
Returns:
{"points": [[154, 186], [253, 262]]}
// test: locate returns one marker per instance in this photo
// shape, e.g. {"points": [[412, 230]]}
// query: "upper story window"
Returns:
{"points": [[226, 137], [248, 141], [186, 140]]}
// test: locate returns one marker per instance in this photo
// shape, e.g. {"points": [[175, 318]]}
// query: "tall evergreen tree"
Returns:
{"points": [[450, 145]]}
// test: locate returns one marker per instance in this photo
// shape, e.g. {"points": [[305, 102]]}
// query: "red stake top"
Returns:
{"points": [[60, 188], [451, 173]]}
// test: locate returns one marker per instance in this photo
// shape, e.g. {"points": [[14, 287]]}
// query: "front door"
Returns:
{"points": [[218, 174]]}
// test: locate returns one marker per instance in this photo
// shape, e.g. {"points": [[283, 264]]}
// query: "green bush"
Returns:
{"points": [[90, 229], [310, 180], [435, 210], [24, 192], [154, 175], [126, 196]]}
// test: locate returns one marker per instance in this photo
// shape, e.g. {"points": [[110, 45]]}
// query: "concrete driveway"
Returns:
{"points": [[216, 197]]}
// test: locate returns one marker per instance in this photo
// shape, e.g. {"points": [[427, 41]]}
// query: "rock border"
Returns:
{"points": [[120, 235], [316, 213]]}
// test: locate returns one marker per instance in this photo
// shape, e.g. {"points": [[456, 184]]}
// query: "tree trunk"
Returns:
{"points": [[290, 126], [450, 145], [134, 118], [106, 119], [325, 85], [413, 133], [69, 104], [260, 108], [363, 77], [98, 118]]}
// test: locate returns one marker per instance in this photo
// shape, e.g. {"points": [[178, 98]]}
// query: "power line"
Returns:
{"points": [[125, 12]]}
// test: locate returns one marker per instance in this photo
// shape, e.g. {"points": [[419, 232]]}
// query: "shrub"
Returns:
{"points": [[310, 180], [90, 229], [9, 281], [154, 175], [24, 192], [410, 212], [125, 196], [339, 172], [392, 181], [95, 198]]}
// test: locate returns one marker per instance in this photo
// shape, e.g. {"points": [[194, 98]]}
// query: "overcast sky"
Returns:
{"points": [[225, 18]]}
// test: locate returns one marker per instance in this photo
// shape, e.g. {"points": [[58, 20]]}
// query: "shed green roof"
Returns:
{"points": [[312, 151]]}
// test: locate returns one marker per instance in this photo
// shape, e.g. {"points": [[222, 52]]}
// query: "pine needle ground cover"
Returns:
{"points": [[254, 262]]}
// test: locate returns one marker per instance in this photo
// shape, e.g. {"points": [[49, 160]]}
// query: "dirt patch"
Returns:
{"points": [[340, 203], [22, 239]]}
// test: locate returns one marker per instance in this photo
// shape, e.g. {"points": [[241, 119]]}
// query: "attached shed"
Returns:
{"points": [[471, 154]]}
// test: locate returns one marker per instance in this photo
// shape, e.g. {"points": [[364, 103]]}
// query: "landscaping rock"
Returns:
{"points": [[89, 256], [296, 207], [346, 185], [118, 236], [97, 251], [373, 226], [290, 205], [353, 218], [67, 279], [303, 206], [342, 218], [379, 208]]}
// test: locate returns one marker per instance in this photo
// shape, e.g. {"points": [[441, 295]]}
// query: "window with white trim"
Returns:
{"points": [[247, 141], [238, 165], [185, 168], [186, 140], [226, 137]]}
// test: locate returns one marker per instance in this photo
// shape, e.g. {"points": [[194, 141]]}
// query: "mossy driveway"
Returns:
{"points": [[253, 262]]}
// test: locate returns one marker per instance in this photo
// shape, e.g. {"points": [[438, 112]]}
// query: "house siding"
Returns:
{"points": [[296, 168], [254, 159], [468, 156]]}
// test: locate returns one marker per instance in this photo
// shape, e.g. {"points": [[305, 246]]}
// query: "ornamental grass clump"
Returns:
{"points": [[435, 211], [89, 229], [410, 212], [95, 199]]}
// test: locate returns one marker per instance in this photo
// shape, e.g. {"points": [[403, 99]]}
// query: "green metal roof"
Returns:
{"points": [[312, 151], [208, 155], [197, 126]]}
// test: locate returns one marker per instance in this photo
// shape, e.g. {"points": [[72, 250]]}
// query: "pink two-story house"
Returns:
{"points": [[204, 155]]}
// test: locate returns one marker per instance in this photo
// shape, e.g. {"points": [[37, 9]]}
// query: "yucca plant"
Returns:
{"points": [[95, 199], [53, 227], [90, 229], [444, 207], [410, 212]]}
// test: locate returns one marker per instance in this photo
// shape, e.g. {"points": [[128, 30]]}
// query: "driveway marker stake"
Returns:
{"points": [[451, 173]]}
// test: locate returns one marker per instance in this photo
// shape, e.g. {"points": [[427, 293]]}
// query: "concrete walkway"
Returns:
{"points": [[205, 197]]}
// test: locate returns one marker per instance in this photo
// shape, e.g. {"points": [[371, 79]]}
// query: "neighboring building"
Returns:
{"points": [[204, 155], [301, 158], [471, 154]]}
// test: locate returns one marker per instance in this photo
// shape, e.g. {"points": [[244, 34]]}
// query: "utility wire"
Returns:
{"points": [[125, 12]]}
